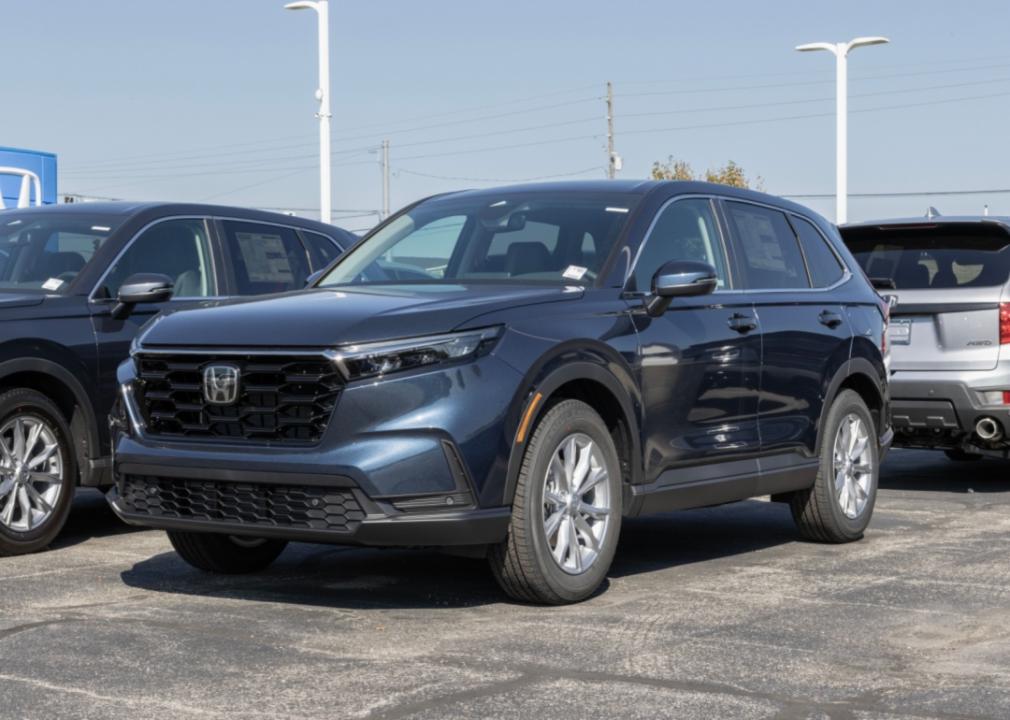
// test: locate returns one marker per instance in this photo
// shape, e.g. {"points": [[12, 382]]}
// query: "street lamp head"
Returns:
{"points": [[811, 47], [872, 40], [301, 5]]}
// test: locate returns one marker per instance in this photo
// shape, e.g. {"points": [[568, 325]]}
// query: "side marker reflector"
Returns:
{"points": [[527, 416]]}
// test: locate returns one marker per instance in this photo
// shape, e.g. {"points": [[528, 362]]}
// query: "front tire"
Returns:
{"points": [[566, 515], [839, 506], [225, 554], [38, 474]]}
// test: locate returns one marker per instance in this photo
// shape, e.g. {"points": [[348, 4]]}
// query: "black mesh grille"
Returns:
{"points": [[317, 508], [281, 399]]}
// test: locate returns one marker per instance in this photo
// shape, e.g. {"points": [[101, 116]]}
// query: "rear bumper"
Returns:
{"points": [[941, 409]]}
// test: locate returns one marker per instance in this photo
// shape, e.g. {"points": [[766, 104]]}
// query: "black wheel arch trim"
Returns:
{"points": [[854, 367], [87, 452], [570, 362]]}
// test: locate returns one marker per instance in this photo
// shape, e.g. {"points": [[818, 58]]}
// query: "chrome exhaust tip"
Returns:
{"points": [[989, 429]]}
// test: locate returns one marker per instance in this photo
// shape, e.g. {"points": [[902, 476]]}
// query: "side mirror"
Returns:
{"points": [[142, 288], [679, 278], [311, 279]]}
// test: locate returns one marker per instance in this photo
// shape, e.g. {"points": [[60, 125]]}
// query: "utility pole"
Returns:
{"points": [[385, 179], [613, 162]]}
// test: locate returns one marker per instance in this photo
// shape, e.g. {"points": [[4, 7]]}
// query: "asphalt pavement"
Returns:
{"points": [[716, 614]]}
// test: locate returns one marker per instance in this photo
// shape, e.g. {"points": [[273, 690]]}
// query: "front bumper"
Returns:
{"points": [[413, 460], [447, 528]]}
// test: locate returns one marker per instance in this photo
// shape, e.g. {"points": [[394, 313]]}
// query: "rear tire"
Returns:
{"points": [[225, 554], [47, 477], [839, 506], [566, 514], [959, 455]]}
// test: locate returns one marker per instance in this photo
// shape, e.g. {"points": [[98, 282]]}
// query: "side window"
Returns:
{"points": [[322, 247], [264, 258], [825, 269], [177, 248], [770, 256], [685, 230]]}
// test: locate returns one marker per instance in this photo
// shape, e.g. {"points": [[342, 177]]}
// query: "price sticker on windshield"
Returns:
{"points": [[574, 272]]}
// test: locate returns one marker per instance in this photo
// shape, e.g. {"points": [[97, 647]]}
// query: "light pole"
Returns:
{"points": [[322, 8], [841, 52]]}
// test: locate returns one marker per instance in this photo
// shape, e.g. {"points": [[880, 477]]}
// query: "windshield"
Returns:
{"points": [[539, 237], [937, 256], [47, 251]]}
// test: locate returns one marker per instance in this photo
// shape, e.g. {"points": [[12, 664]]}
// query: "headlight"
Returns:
{"points": [[367, 360]]}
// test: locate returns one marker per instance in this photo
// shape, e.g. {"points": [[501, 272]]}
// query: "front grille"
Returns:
{"points": [[283, 399], [316, 508]]}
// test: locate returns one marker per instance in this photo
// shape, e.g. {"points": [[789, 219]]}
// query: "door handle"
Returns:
{"points": [[830, 319], [742, 323]]}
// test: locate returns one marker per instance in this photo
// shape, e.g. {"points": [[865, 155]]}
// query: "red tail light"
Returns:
{"points": [[1004, 323], [1006, 397]]}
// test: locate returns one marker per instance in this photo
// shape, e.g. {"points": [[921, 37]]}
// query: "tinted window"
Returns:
{"points": [[534, 236], [177, 248], [685, 230], [918, 258], [770, 256], [324, 248], [825, 269], [47, 251], [265, 258]]}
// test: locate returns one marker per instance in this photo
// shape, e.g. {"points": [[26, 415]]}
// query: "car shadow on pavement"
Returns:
{"points": [[396, 578], [90, 517], [925, 470]]}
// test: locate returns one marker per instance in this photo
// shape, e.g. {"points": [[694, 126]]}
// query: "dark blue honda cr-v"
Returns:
{"points": [[517, 370]]}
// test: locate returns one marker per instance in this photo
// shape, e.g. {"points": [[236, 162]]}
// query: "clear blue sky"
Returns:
{"points": [[212, 99]]}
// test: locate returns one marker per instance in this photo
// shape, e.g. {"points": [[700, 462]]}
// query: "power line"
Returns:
{"points": [[902, 193], [496, 180]]}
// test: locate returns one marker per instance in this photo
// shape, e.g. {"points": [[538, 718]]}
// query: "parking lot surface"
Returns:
{"points": [[719, 613]]}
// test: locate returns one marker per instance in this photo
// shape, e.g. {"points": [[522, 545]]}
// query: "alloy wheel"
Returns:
{"points": [[576, 503], [31, 473], [852, 465]]}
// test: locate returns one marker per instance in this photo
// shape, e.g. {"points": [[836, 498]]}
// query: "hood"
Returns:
{"points": [[330, 317], [13, 299]]}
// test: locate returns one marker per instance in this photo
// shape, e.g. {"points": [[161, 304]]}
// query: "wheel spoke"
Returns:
{"points": [[6, 486], [19, 440], [859, 448], [573, 541], [40, 502], [596, 474], [8, 512], [45, 454], [571, 453], [581, 471], [561, 547], [863, 469], [33, 438], [553, 523], [593, 511], [840, 480], [587, 533], [554, 499], [26, 506], [47, 478]]}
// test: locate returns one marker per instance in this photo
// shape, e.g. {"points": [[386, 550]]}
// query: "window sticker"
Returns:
{"points": [[266, 258], [574, 272], [52, 284]]}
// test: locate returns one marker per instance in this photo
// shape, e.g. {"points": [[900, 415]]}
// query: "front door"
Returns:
{"points": [[700, 361]]}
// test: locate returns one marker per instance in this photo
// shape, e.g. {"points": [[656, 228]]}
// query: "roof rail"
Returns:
{"points": [[29, 181]]}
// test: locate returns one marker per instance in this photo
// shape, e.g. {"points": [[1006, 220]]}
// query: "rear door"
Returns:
{"points": [[949, 280], [805, 333]]}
